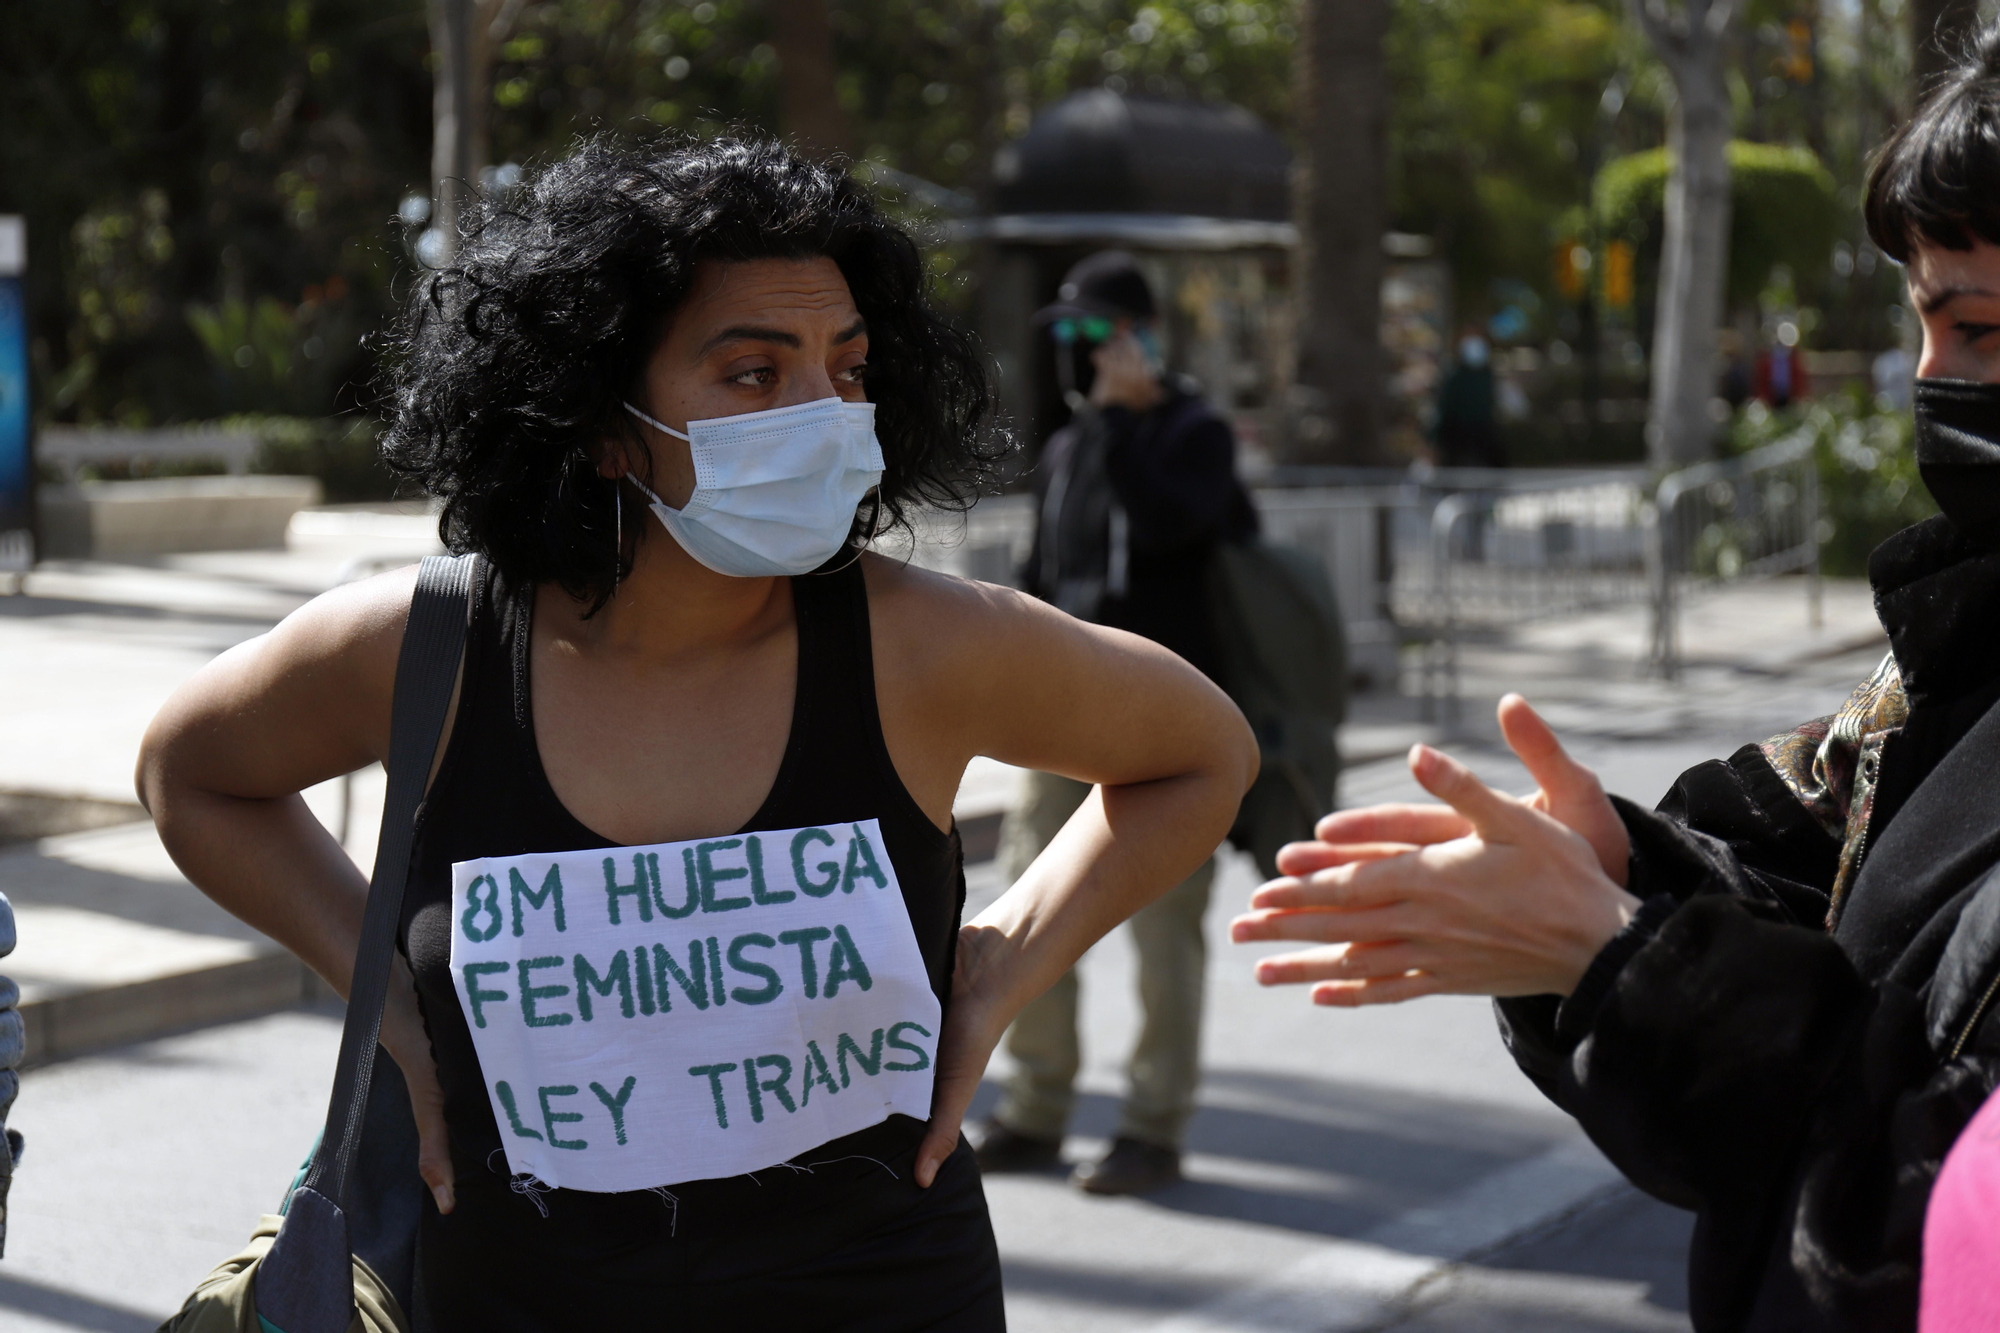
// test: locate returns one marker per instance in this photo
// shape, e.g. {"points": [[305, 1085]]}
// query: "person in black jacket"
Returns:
{"points": [[1133, 496], [1771, 1000]]}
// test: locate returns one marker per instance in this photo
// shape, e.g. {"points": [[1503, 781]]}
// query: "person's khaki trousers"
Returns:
{"points": [[1166, 1062]]}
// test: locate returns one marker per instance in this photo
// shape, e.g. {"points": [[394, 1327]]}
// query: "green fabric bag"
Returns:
{"points": [[226, 1300], [1283, 660]]}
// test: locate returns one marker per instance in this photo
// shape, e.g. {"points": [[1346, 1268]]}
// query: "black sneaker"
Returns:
{"points": [[1131, 1167], [998, 1148]]}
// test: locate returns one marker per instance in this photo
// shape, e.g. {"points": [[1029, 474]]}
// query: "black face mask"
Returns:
{"points": [[1958, 453]]}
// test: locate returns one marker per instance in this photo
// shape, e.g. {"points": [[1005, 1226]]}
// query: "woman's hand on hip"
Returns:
{"points": [[972, 1028], [404, 1037]]}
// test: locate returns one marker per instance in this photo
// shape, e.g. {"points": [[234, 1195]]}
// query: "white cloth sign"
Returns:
{"points": [[691, 1010]]}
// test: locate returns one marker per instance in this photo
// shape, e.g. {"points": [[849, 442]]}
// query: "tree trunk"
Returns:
{"points": [[463, 36], [809, 107], [1694, 252], [1938, 32], [1341, 199]]}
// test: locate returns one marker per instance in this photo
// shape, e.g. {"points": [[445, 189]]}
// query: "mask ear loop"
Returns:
{"points": [[874, 526]]}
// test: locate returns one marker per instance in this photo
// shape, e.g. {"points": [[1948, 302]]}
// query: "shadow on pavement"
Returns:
{"points": [[1322, 1156], [1629, 1237], [1148, 1290], [65, 1307]]}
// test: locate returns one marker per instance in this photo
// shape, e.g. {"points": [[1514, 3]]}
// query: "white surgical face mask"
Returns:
{"points": [[774, 492]]}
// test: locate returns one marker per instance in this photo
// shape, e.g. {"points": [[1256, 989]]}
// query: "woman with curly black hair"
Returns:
{"points": [[690, 1020]]}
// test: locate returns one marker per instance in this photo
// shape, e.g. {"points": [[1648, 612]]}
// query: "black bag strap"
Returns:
{"points": [[426, 673]]}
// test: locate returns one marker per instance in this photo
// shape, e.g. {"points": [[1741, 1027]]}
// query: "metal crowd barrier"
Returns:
{"points": [[1421, 559], [1741, 518], [1527, 550]]}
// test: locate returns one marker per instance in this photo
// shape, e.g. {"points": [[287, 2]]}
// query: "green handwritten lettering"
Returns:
{"points": [[861, 863], [815, 1071], [638, 888], [773, 985], [871, 1063], [616, 1105], [551, 1118], [755, 851], [819, 888], [474, 907], [531, 993], [691, 882], [666, 970], [843, 963], [775, 1086], [551, 888], [923, 1060], [513, 1111], [712, 875], [714, 1075], [477, 997], [617, 977], [808, 966]]}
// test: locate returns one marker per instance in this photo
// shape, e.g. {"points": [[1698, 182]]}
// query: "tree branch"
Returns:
{"points": [[1669, 42]]}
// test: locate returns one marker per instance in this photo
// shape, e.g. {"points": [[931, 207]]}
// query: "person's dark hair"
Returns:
{"points": [[509, 363], [1937, 180]]}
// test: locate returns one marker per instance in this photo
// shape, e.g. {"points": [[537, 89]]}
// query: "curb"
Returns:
{"points": [[61, 1026]]}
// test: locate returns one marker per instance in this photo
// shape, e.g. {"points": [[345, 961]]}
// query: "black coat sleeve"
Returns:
{"points": [[1726, 1055]]}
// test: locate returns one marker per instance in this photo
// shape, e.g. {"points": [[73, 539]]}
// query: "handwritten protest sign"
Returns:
{"points": [[689, 1010]]}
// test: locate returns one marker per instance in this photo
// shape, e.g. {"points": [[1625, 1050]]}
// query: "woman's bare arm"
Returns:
{"points": [[976, 670], [221, 770]]}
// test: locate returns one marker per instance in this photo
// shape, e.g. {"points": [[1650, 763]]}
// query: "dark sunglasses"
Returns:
{"points": [[1091, 328]]}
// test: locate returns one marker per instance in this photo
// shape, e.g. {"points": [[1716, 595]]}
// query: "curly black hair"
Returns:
{"points": [[509, 363], [1937, 179]]}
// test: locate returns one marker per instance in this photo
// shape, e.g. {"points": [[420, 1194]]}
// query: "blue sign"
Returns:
{"points": [[17, 464]]}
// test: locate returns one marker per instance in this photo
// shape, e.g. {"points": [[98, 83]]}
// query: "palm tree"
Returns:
{"points": [[809, 108], [1341, 200]]}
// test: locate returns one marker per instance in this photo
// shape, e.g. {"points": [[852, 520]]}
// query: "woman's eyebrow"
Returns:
{"points": [[748, 333], [1931, 302], [758, 334]]}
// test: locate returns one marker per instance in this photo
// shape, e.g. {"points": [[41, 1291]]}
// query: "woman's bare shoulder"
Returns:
{"points": [[943, 622]]}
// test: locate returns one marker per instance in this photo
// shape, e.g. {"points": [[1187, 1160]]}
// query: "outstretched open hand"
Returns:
{"points": [[1487, 894]]}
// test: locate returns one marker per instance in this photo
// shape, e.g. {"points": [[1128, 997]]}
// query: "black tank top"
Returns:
{"points": [[491, 797]]}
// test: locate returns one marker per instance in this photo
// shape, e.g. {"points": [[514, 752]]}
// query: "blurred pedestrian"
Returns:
{"points": [[1134, 496], [668, 393], [1772, 1000], [1467, 433], [1781, 377]]}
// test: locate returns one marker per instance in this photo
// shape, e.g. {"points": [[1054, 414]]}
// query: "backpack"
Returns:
{"points": [[1283, 661]]}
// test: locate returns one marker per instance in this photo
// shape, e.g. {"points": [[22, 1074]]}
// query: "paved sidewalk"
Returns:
{"points": [[1381, 1169]]}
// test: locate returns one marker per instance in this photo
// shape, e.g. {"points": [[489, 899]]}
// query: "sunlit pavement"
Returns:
{"points": [[1382, 1169]]}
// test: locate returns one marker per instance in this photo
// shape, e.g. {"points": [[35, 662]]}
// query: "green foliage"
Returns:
{"points": [[1868, 482], [1494, 122], [930, 87], [1783, 210], [340, 451], [174, 153]]}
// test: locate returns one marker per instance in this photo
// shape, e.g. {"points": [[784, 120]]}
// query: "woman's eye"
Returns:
{"points": [[855, 374], [757, 378]]}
